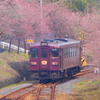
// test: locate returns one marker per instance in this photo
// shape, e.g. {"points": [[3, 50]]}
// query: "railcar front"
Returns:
{"points": [[44, 61], [34, 61]]}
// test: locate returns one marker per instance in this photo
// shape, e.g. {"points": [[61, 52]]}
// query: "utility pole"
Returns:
{"points": [[41, 4], [41, 18]]}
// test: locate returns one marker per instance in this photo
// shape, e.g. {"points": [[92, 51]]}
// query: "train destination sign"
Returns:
{"points": [[44, 44], [30, 41]]}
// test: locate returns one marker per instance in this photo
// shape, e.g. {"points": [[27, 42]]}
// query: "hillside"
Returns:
{"points": [[13, 67]]}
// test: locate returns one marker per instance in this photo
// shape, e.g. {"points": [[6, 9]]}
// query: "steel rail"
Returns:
{"points": [[23, 95], [38, 93], [38, 89], [83, 72], [32, 91], [51, 94], [18, 91]]}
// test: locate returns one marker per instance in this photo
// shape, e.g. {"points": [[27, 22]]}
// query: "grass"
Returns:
{"points": [[86, 90], [9, 63], [26, 55], [1, 62], [83, 90]]}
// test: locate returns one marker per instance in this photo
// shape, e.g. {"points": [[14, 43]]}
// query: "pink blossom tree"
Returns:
{"points": [[23, 18]]}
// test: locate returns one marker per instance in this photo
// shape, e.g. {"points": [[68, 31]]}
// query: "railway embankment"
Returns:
{"points": [[13, 67], [74, 89], [86, 90], [11, 88], [85, 86], [80, 90]]}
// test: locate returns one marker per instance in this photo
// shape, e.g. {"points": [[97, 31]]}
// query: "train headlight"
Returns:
{"points": [[33, 63], [54, 63], [44, 62]]}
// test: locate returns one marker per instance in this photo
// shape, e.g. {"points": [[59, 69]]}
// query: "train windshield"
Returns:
{"points": [[44, 54], [34, 53], [54, 52]]}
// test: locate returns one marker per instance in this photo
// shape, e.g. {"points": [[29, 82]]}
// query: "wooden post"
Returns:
{"points": [[18, 45], [9, 49], [24, 46]]}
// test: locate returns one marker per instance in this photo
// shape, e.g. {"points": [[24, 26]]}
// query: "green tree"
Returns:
{"points": [[77, 5], [82, 5]]}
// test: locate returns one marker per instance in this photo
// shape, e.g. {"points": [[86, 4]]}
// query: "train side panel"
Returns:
{"points": [[71, 56]]}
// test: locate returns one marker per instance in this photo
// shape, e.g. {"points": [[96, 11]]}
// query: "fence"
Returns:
{"points": [[5, 44]]}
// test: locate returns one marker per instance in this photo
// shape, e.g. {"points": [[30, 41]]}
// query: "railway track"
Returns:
{"points": [[39, 91], [46, 93], [83, 72], [33, 92], [20, 93]]}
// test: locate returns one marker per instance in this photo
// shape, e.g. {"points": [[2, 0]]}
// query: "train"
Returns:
{"points": [[55, 59]]}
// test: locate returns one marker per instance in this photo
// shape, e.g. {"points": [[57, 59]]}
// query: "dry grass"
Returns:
{"points": [[63, 96], [84, 90], [8, 64]]}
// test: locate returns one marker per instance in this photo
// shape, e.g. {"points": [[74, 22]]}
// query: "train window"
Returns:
{"points": [[34, 53], [70, 52], [44, 54], [54, 52], [74, 52]]}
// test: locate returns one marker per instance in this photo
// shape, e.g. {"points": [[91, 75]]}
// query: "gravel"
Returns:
{"points": [[67, 86], [9, 90]]}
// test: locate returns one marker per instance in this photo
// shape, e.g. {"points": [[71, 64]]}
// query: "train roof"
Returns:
{"points": [[57, 42]]}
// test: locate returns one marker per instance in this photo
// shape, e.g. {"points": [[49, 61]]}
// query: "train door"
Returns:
{"points": [[44, 58]]}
